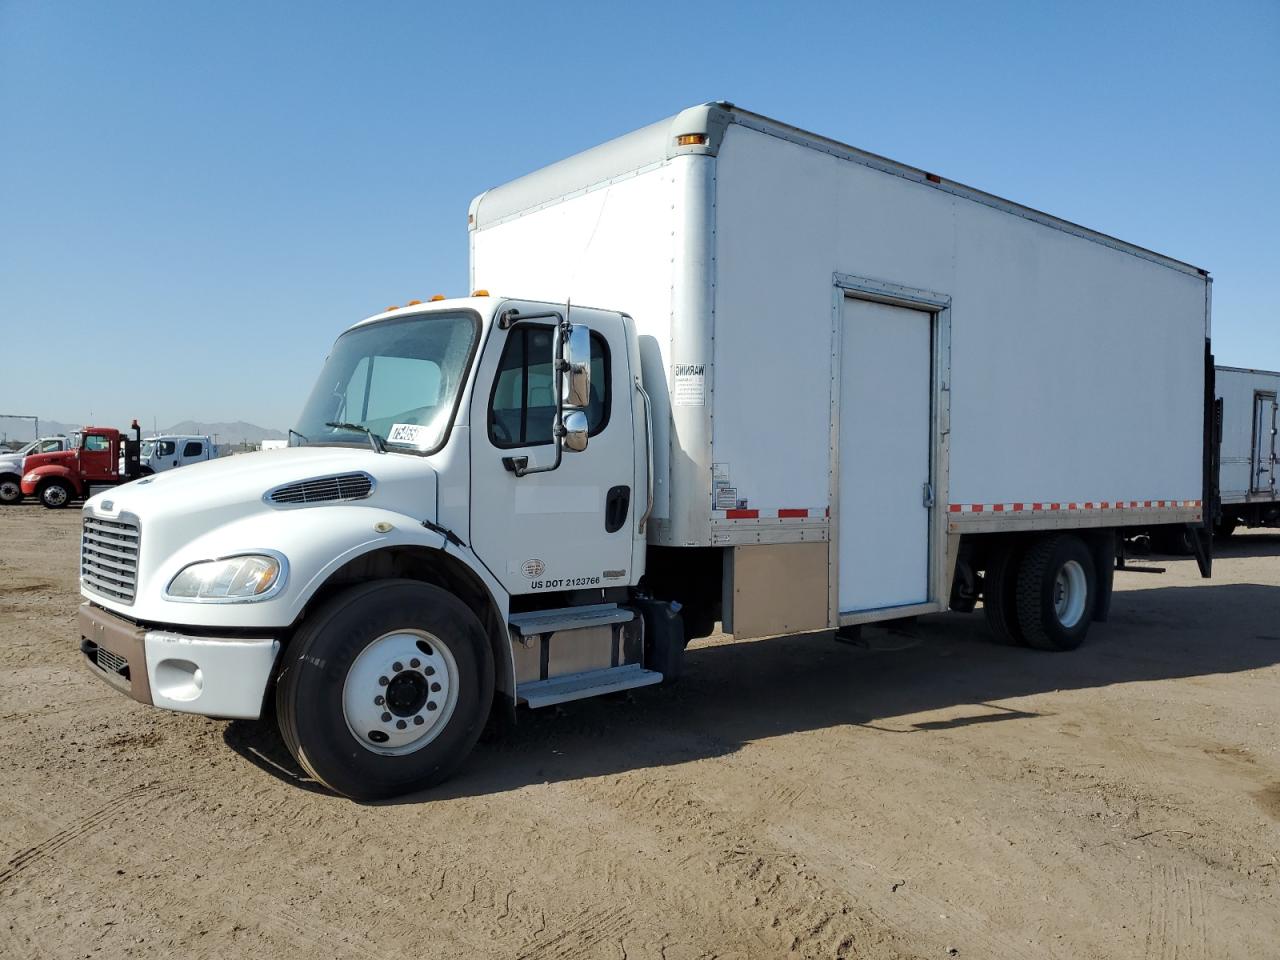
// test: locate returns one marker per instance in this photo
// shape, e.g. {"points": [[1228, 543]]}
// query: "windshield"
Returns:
{"points": [[398, 379], [147, 447], [23, 451]]}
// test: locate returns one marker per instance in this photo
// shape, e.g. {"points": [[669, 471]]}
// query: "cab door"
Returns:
{"points": [[570, 528], [98, 455], [192, 450]]}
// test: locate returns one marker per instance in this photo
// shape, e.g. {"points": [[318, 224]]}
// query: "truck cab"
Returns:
{"points": [[58, 478], [462, 518], [167, 452]]}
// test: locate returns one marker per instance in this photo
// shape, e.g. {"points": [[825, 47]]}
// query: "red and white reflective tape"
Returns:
{"points": [[782, 513], [1078, 506]]}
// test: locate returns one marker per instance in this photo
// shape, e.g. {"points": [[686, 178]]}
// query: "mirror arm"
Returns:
{"points": [[520, 465]]}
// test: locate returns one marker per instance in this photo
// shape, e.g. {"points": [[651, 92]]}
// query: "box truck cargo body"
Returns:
{"points": [[1248, 490], [862, 358], [720, 370]]}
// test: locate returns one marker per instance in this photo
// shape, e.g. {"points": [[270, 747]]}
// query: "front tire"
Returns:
{"points": [[56, 494], [1057, 592], [10, 489], [385, 689]]}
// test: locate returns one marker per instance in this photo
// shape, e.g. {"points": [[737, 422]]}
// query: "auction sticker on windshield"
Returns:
{"points": [[407, 433]]}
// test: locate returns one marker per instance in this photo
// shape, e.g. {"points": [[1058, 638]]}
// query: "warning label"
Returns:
{"points": [[688, 384]]}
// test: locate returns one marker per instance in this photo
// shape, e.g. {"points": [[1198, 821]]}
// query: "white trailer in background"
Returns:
{"points": [[1248, 489], [814, 388], [273, 444]]}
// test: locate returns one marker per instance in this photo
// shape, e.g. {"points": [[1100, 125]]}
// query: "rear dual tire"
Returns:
{"points": [[1042, 594], [385, 689]]}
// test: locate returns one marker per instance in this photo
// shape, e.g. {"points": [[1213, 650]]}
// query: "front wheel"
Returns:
{"points": [[55, 494], [385, 689], [1057, 592], [10, 489]]}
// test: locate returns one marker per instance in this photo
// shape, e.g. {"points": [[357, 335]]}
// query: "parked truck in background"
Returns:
{"points": [[11, 464], [166, 452], [102, 457], [1248, 490], [814, 389]]}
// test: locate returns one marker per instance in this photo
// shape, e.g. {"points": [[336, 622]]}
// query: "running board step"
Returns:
{"points": [[569, 618], [592, 683]]}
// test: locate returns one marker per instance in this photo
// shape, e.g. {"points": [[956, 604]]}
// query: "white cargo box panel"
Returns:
{"points": [[844, 348], [1250, 445]]}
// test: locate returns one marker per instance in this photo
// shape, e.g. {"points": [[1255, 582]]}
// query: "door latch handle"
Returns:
{"points": [[928, 494]]}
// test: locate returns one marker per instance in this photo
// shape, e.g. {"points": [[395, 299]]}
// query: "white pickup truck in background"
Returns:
{"points": [[11, 463]]}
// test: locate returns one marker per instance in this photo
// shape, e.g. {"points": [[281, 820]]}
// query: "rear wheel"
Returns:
{"points": [[10, 489], [1056, 593], [55, 494], [1000, 595], [386, 689]]}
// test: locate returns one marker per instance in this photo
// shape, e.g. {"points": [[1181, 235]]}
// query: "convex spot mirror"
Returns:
{"points": [[577, 367], [575, 430]]}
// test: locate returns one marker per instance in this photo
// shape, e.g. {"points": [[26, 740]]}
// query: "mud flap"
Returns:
{"points": [[1201, 536], [663, 637], [1104, 565]]}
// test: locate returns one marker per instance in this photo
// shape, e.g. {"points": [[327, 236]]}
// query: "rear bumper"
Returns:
{"points": [[211, 676]]}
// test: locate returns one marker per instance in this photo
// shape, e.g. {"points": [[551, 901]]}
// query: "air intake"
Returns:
{"points": [[343, 486]]}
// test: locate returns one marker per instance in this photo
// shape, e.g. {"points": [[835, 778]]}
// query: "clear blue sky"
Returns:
{"points": [[198, 196]]}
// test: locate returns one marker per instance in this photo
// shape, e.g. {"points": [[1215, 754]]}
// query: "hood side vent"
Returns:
{"points": [[342, 486]]}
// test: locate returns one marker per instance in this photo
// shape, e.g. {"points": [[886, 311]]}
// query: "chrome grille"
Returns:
{"points": [[343, 486], [109, 557]]}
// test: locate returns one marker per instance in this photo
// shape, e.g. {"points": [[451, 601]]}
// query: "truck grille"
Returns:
{"points": [[343, 486], [109, 557]]}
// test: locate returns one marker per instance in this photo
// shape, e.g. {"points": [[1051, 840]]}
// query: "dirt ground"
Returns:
{"points": [[936, 795]]}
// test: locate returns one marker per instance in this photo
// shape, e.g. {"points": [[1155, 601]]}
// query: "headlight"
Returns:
{"points": [[229, 580], [31, 478]]}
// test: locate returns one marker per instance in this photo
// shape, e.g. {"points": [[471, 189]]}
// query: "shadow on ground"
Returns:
{"points": [[735, 693]]}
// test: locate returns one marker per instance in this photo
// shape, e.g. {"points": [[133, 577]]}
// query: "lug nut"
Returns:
{"points": [[382, 681], [386, 718], [431, 705], [379, 700], [418, 721], [400, 724], [430, 671], [397, 666], [435, 688], [415, 664]]}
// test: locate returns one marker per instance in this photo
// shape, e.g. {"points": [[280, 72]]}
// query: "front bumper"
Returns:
{"points": [[214, 677]]}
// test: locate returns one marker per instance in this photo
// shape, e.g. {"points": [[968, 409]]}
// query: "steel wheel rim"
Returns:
{"points": [[392, 711], [9, 491], [1069, 591], [55, 495]]}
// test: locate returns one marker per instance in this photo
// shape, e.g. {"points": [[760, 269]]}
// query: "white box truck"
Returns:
{"points": [[1248, 492], [813, 389]]}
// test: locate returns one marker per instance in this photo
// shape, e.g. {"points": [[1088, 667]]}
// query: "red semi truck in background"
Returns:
{"points": [[106, 457]]}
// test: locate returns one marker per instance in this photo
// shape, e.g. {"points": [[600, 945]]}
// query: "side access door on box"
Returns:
{"points": [[1263, 455], [888, 450]]}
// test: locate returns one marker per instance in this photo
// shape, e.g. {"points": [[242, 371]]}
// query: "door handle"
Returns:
{"points": [[616, 503], [928, 495]]}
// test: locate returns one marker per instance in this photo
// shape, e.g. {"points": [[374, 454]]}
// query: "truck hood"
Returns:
{"points": [[203, 495], [45, 459]]}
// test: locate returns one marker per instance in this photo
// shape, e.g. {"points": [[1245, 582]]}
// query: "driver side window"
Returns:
{"points": [[522, 408]]}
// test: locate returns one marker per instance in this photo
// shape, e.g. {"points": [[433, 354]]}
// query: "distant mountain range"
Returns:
{"points": [[228, 433]]}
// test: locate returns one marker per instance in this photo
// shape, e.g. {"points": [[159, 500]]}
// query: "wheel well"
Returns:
{"points": [[441, 570]]}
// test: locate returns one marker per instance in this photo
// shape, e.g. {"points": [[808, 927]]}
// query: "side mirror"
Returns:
{"points": [[577, 367], [575, 430]]}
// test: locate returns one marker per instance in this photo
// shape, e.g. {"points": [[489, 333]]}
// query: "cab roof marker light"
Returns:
{"points": [[413, 303], [480, 293], [437, 297]]}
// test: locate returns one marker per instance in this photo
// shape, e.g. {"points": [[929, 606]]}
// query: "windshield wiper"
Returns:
{"points": [[375, 441], [295, 433]]}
